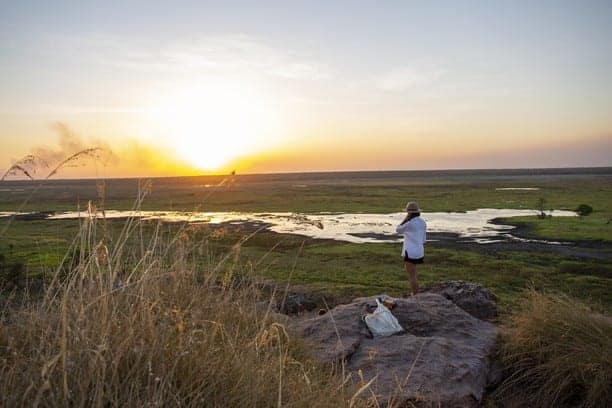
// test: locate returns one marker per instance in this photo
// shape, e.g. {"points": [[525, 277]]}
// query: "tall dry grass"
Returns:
{"points": [[558, 353], [144, 325], [30, 165]]}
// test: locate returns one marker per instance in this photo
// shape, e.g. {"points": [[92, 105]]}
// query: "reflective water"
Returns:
{"points": [[7, 213], [517, 188], [358, 228]]}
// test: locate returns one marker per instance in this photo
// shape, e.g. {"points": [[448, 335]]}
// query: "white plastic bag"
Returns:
{"points": [[381, 322]]}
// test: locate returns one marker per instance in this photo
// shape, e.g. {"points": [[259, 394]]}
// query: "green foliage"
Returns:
{"points": [[541, 207], [584, 209]]}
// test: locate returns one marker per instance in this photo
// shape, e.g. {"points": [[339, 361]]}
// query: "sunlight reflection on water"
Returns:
{"points": [[358, 228], [517, 188]]}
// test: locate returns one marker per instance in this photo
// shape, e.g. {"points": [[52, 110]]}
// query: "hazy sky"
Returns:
{"points": [[191, 87]]}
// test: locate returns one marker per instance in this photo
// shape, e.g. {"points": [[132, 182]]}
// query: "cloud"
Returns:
{"points": [[243, 53], [223, 54], [404, 78]]}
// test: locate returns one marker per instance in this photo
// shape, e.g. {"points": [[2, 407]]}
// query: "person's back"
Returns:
{"points": [[414, 238], [413, 251]]}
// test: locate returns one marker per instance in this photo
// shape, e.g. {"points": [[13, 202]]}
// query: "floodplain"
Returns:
{"points": [[508, 249]]}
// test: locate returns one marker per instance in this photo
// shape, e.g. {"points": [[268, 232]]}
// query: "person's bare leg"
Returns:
{"points": [[414, 282], [411, 271]]}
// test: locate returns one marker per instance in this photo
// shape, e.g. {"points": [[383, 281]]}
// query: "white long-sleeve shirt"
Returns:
{"points": [[414, 237]]}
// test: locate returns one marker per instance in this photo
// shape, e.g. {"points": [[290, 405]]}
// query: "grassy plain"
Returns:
{"points": [[335, 270], [170, 314], [164, 318], [342, 270], [596, 227], [377, 192]]}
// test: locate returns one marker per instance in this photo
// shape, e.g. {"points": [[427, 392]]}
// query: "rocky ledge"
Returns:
{"points": [[442, 359], [469, 296]]}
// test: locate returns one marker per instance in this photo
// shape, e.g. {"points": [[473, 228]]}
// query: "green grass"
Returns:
{"points": [[92, 344], [38, 245], [342, 269], [341, 192], [339, 270], [359, 192], [595, 227], [350, 270]]}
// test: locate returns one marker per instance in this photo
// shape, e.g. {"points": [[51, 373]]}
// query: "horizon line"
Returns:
{"points": [[460, 169]]}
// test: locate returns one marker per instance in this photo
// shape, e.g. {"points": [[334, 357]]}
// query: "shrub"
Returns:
{"points": [[541, 207], [558, 352], [584, 209]]}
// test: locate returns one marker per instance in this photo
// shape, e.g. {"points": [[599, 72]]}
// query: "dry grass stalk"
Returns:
{"points": [[29, 165], [559, 353], [119, 330]]}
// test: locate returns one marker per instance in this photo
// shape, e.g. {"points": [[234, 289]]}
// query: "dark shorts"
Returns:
{"points": [[412, 260]]}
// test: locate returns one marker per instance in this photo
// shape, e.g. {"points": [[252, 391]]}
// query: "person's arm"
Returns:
{"points": [[403, 226]]}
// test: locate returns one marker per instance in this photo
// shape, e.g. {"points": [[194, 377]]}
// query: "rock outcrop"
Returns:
{"points": [[295, 303], [471, 297], [442, 359]]}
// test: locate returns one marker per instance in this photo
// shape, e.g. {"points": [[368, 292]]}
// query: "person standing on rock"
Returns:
{"points": [[414, 230]]}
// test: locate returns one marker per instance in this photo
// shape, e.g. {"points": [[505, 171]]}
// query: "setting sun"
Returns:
{"points": [[219, 203], [209, 126]]}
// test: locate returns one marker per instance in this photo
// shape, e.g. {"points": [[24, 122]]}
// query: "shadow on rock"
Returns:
{"points": [[471, 297]]}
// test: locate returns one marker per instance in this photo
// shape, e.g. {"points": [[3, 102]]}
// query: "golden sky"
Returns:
{"points": [[207, 88]]}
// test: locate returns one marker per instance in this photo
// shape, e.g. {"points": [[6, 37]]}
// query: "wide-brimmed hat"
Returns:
{"points": [[412, 207]]}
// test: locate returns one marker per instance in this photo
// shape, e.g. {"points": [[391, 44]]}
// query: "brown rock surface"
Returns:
{"points": [[442, 359], [471, 297]]}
